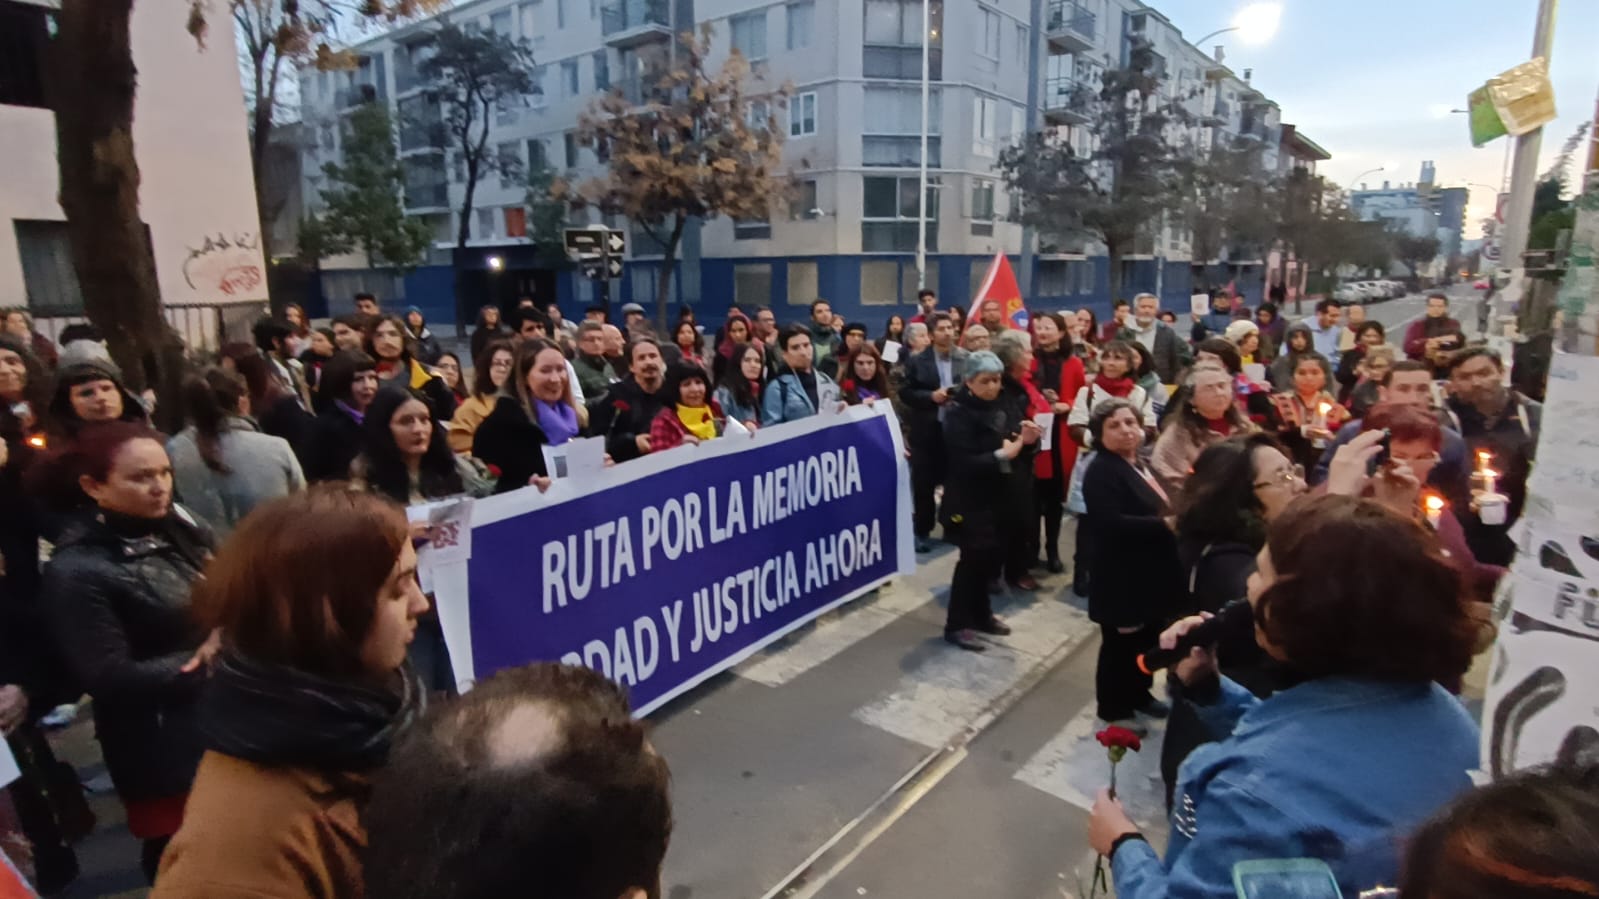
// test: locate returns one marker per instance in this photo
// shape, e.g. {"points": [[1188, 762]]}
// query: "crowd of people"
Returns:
{"points": [[1186, 460]]}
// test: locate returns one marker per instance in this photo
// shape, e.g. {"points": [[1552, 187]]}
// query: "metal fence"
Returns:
{"points": [[204, 328]]}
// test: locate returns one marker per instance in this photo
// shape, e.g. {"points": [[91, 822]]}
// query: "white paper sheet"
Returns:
{"points": [[891, 350], [1046, 420]]}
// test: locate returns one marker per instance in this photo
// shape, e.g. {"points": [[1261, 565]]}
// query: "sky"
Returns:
{"points": [[1373, 81]]}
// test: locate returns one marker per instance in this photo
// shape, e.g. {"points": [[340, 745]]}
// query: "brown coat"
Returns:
{"points": [[254, 832]]}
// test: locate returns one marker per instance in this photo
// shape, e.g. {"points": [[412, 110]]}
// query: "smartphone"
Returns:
{"points": [[1287, 878], [1381, 459]]}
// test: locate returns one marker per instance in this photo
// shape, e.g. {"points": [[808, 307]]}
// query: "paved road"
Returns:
{"points": [[1397, 313]]}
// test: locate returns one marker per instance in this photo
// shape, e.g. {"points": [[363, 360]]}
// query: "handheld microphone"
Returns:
{"points": [[1232, 615]]}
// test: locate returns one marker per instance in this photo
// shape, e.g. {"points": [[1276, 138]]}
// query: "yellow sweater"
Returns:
{"points": [[468, 415]]}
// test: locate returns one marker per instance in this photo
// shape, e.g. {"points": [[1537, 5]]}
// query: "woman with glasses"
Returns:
{"points": [[489, 371], [1238, 488], [1207, 415]]}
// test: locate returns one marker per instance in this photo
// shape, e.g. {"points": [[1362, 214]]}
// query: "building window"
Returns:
{"points": [[641, 281], [804, 283], [530, 22], [24, 39], [510, 164], [804, 202], [879, 282], [486, 223], [982, 208], [536, 98], [537, 158], [501, 23], [892, 127], [602, 71], [752, 229], [752, 284], [571, 149], [988, 37], [569, 86], [749, 34], [48, 277], [985, 116], [892, 40], [759, 115], [1021, 43], [801, 16], [802, 115], [458, 168], [515, 221], [565, 13], [889, 220]]}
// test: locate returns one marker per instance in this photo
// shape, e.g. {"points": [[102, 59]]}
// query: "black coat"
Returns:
{"points": [[975, 488], [120, 609], [286, 418], [1137, 577], [511, 442], [482, 336], [628, 412], [917, 389], [331, 444]]}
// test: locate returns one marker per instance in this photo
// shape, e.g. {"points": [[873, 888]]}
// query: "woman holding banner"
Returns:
{"points": [[983, 450], [690, 416], [406, 456], [536, 407], [739, 393]]}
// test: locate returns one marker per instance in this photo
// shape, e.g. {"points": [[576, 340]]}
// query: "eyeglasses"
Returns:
{"points": [[1285, 477]]}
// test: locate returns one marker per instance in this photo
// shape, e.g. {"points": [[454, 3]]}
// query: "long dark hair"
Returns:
{"points": [[338, 373], [482, 381], [210, 397], [265, 388], [699, 339], [407, 342], [733, 376], [385, 468], [1218, 502], [880, 384], [38, 389]]}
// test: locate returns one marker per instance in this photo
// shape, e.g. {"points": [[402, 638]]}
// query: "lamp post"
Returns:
{"points": [[1351, 188], [921, 194]]}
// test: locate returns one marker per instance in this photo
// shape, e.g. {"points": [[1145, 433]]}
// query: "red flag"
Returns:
{"points": [[1000, 285]]}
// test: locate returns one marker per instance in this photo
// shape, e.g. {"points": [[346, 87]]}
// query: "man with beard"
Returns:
{"points": [[593, 369], [1501, 422], [634, 402], [1434, 336]]}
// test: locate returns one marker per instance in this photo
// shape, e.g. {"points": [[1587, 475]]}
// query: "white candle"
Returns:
{"points": [[1435, 510]]}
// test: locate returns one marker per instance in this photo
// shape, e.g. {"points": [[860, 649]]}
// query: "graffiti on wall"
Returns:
{"points": [[228, 265]]}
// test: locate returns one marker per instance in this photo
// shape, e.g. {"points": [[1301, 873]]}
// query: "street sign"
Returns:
{"points": [[599, 249], [585, 242], [616, 243], [614, 267]]}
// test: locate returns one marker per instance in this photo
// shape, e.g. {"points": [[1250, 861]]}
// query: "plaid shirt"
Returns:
{"points": [[667, 430]]}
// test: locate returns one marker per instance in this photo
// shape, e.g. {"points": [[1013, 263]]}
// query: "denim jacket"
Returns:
{"points": [[1339, 769], [732, 409], [784, 399]]}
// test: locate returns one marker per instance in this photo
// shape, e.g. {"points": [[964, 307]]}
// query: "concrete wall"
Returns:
{"points": [[190, 140]]}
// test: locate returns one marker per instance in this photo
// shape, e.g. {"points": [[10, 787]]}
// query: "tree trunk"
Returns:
{"points": [[1113, 252], [663, 287], [92, 84]]}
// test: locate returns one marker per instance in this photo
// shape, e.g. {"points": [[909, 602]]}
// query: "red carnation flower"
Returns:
{"points": [[493, 469], [1119, 737], [706, 416], [622, 406], [849, 384]]}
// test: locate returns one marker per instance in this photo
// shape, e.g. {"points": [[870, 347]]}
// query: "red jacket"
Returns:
{"points": [[1073, 377]]}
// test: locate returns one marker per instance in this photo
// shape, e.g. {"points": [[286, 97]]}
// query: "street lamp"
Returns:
{"points": [[496, 263], [1351, 187], [1256, 24]]}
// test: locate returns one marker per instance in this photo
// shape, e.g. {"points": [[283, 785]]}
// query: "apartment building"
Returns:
{"points": [[853, 130]]}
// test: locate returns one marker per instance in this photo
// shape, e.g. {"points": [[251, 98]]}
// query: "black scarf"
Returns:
{"points": [[281, 716], [807, 381]]}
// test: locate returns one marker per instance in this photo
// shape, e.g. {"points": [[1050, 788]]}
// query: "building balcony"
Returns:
{"points": [[627, 23], [1253, 131], [1069, 26], [1067, 101], [1221, 113], [427, 196], [642, 90], [357, 95]]}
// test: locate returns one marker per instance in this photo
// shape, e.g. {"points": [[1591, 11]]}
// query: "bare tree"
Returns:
{"points": [[690, 144]]}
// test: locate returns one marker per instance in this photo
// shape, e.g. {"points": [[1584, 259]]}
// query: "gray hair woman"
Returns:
{"points": [[985, 447]]}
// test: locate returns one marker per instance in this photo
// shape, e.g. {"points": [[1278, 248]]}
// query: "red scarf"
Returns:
{"points": [[1116, 387]]}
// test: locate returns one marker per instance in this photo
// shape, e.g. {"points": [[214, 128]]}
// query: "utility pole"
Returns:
{"points": [[1524, 169], [1036, 24], [921, 194]]}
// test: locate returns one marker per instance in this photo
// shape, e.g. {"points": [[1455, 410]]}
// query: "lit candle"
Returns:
{"points": [[1488, 476], [1321, 424], [1435, 509], [36, 441]]}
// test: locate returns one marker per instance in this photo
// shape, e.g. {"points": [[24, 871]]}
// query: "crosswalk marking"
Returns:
{"points": [[949, 689], [1072, 767], [832, 634]]}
